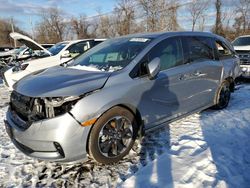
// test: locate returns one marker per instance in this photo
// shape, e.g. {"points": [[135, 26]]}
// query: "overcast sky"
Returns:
{"points": [[26, 12]]}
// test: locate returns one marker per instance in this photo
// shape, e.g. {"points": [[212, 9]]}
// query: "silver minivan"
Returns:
{"points": [[100, 103]]}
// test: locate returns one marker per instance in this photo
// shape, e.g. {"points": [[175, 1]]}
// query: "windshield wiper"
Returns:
{"points": [[65, 64]]}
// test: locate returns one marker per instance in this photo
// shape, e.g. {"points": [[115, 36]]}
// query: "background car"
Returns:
{"points": [[29, 50], [242, 47], [56, 55], [5, 48]]}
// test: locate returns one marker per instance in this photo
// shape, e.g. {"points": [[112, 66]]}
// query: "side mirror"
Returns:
{"points": [[154, 67], [65, 54]]}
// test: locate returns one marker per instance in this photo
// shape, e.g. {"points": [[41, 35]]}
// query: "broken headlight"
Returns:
{"points": [[59, 105]]}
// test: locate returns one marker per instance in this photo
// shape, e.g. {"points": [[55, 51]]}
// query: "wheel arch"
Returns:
{"points": [[130, 108], [231, 82]]}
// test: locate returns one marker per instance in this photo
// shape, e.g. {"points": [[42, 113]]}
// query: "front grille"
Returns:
{"points": [[244, 57], [242, 51], [245, 61], [26, 110]]}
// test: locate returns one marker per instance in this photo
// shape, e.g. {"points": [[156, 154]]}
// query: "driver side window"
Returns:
{"points": [[170, 53]]}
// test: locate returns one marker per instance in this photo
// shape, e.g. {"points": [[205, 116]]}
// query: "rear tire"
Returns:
{"points": [[112, 136], [223, 96]]}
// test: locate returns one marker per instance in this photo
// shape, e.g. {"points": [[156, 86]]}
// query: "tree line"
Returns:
{"points": [[133, 16]]}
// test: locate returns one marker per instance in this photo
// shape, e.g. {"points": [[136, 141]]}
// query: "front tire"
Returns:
{"points": [[223, 96], [112, 136]]}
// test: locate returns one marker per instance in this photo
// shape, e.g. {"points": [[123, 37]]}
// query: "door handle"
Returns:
{"points": [[197, 73], [183, 77], [191, 75]]}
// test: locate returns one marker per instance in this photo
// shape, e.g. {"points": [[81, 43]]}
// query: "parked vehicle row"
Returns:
{"points": [[30, 48], [99, 103], [56, 55]]}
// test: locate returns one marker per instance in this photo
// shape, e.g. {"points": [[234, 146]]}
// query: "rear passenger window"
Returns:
{"points": [[222, 50], [169, 51], [199, 48]]}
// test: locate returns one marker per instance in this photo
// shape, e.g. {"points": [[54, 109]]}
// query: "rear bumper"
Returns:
{"points": [[58, 139]]}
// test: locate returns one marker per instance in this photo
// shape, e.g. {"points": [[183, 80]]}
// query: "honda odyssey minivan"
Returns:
{"points": [[99, 104]]}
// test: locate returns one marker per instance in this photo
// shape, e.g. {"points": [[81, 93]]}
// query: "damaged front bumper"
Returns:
{"points": [[56, 139]]}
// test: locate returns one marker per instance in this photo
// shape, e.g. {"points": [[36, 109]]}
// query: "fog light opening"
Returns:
{"points": [[59, 149]]}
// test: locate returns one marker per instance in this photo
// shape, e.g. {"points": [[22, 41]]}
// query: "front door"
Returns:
{"points": [[168, 95]]}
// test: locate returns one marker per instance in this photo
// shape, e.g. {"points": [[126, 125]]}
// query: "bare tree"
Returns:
{"points": [[196, 9], [160, 15], [152, 10], [81, 27], [226, 18], [125, 16], [5, 30], [242, 20], [218, 28], [105, 26], [53, 26], [171, 23]]}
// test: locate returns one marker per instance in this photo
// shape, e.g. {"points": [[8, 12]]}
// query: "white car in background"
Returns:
{"points": [[242, 47], [57, 54]]}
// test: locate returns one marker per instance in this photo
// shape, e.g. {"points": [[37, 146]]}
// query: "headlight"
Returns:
{"points": [[244, 69], [59, 105], [19, 67], [50, 107], [24, 66], [58, 101]]}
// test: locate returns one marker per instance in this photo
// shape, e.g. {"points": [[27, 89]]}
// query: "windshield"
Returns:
{"points": [[19, 50], [57, 48], [242, 41], [111, 55]]}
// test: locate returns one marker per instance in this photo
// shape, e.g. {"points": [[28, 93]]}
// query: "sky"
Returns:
{"points": [[26, 12]]}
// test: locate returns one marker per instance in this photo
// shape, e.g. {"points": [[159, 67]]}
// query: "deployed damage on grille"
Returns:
{"points": [[31, 109]]}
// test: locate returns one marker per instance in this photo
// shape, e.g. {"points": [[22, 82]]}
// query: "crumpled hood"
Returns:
{"points": [[60, 82]]}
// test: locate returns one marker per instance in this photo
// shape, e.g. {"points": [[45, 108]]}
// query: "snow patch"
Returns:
{"points": [[208, 149]]}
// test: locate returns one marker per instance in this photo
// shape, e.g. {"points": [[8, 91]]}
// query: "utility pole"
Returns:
{"points": [[12, 28], [32, 29]]}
